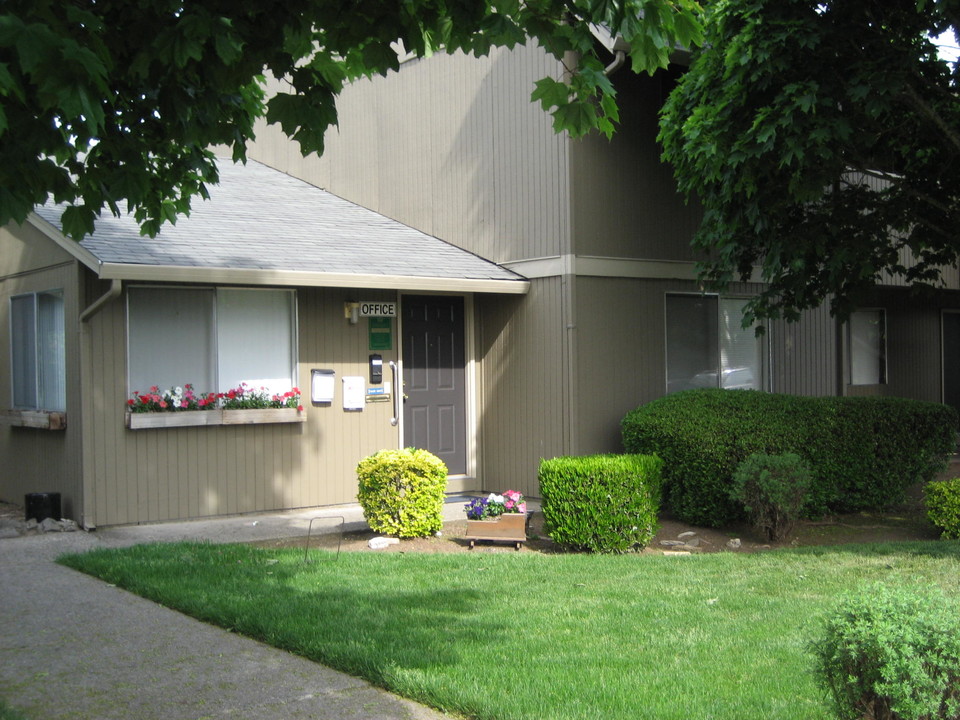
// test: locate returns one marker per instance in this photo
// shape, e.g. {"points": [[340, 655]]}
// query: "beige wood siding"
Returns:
{"points": [[625, 202], [621, 351], [525, 411], [452, 146], [25, 249], [40, 460], [178, 473]]}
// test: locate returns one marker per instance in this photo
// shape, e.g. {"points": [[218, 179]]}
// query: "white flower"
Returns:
{"points": [[495, 499], [178, 391]]}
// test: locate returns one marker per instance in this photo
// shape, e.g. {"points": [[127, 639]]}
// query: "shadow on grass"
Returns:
{"points": [[315, 610]]}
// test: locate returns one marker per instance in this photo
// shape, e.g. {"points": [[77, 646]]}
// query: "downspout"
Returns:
{"points": [[87, 521], [116, 286], [620, 57]]}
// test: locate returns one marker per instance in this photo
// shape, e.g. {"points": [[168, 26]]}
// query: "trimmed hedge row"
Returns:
{"points": [[864, 451], [601, 503]]}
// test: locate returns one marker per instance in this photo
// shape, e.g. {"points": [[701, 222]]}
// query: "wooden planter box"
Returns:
{"points": [[194, 418], [509, 527]]}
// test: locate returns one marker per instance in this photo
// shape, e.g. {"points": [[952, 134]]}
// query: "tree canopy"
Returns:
{"points": [[106, 103], [822, 138]]}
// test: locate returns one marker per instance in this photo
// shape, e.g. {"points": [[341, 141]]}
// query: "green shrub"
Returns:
{"points": [[402, 492], [892, 654], [601, 503], [773, 489], [863, 452], [943, 507]]}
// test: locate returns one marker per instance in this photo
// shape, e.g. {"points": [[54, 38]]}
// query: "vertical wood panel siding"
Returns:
{"points": [[805, 355], [179, 473], [625, 202], [40, 460], [621, 351], [450, 145], [524, 411]]}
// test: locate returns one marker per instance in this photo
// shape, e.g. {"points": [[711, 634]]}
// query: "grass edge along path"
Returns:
{"points": [[540, 637]]}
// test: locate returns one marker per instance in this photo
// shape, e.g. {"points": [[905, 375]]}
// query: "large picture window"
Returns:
{"points": [[38, 358], [867, 339], [212, 338], [708, 347]]}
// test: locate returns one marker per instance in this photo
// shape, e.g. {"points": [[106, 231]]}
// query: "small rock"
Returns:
{"points": [[31, 524], [693, 541], [733, 544], [50, 525], [685, 535], [9, 522], [379, 543], [68, 526], [8, 532], [676, 552], [672, 543]]}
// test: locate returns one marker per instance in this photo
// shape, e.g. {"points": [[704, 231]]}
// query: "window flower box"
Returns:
{"points": [[262, 415], [144, 421], [38, 419], [182, 407]]}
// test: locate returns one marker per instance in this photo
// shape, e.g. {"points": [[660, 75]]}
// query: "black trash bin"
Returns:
{"points": [[41, 506]]}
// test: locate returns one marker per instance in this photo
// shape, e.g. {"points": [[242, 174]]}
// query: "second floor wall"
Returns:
{"points": [[453, 146]]}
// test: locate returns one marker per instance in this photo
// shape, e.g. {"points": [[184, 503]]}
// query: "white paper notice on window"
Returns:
{"points": [[354, 389]]}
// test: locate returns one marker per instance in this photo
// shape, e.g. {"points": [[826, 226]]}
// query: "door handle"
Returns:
{"points": [[397, 389]]}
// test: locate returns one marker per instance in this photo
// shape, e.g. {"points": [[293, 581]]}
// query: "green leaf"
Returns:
{"points": [[550, 93], [77, 221]]}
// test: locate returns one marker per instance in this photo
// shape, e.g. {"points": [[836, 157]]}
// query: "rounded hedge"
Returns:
{"points": [[943, 507], [402, 492]]}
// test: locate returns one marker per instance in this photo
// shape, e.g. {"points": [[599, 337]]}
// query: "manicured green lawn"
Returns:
{"points": [[504, 636], [8, 713]]}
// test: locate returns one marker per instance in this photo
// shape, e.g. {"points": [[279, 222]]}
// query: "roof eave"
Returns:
{"points": [[296, 278], [74, 248]]}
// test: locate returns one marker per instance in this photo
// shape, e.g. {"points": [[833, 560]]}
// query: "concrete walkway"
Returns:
{"points": [[74, 647]]}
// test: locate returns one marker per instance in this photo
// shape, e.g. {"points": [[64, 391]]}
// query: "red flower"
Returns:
{"points": [[163, 404], [299, 408], [130, 402]]}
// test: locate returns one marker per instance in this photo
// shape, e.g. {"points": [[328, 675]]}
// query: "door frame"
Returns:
{"points": [[470, 480]]}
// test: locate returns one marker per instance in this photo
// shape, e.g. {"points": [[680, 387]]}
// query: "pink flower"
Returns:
{"points": [[163, 404], [300, 408], [522, 507]]}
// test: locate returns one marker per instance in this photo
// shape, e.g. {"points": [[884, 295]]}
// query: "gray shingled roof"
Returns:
{"points": [[258, 218]]}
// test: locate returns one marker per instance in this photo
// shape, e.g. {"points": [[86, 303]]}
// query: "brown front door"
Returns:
{"points": [[434, 410]]}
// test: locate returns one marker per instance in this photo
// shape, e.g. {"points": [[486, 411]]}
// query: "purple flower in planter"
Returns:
{"points": [[476, 509]]}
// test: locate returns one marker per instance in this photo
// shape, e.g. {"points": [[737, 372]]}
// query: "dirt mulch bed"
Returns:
{"points": [[903, 523]]}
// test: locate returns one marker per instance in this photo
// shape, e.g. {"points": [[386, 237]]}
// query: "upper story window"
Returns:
{"points": [[867, 341], [212, 338], [38, 357], [708, 347]]}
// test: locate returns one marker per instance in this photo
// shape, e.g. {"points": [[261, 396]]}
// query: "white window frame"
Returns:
{"points": [[881, 350], [763, 361], [47, 394], [218, 380]]}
